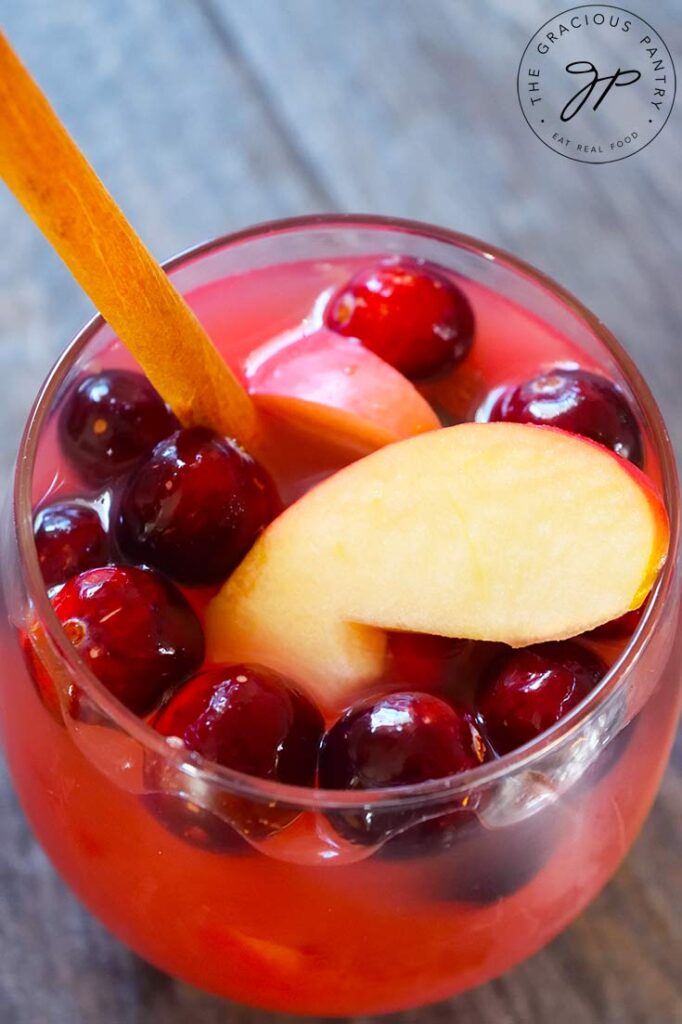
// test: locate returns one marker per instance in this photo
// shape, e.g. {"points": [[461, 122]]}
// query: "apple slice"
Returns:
{"points": [[489, 531], [333, 385]]}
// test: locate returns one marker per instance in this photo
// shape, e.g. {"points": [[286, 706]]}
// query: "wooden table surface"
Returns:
{"points": [[203, 116]]}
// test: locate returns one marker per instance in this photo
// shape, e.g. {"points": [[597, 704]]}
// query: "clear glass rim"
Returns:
{"points": [[307, 797]]}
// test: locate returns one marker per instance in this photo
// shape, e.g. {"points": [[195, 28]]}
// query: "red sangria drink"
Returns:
{"points": [[359, 718]]}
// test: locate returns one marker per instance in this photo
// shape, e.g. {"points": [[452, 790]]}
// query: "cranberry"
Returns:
{"points": [[194, 824], [194, 507], [620, 628], [69, 538], [136, 631], [396, 740], [42, 680], [424, 662], [247, 718], [608, 757], [109, 420], [407, 312], [486, 865], [578, 401], [529, 690]]}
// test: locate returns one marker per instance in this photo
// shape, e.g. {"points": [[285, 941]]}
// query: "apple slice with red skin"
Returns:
{"points": [[332, 385], [486, 531]]}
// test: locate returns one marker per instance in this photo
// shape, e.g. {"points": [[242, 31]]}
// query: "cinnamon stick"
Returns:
{"points": [[55, 184]]}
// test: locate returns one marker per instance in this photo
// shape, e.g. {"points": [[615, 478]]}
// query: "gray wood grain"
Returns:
{"points": [[205, 116]]}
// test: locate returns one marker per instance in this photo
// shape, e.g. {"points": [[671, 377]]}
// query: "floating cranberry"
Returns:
{"points": [[195, 824], [407, 312], [108, 420], [134, 629], [397, 740], [247, 718], [578, 401], [485, 865], [42, 680], [528, 690], [610, 754], [69, 538], [194, 507]]}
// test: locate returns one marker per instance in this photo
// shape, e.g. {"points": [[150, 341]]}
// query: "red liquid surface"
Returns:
{"points": [[301, 920]]}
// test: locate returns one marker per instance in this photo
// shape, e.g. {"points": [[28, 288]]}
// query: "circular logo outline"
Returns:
{"points": [[561, 14]]}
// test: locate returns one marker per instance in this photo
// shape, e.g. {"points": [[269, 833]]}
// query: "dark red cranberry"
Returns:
{"points": [[61, 698], [247, 718], [407, 312], [109, 419], [620, 628], [484, 865], [194, 824], [528, 690], [134, 629], [69, 539], [606, 760], [578, 401], [42, 680], [396, 740], [419, 661], [194, 507]]}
